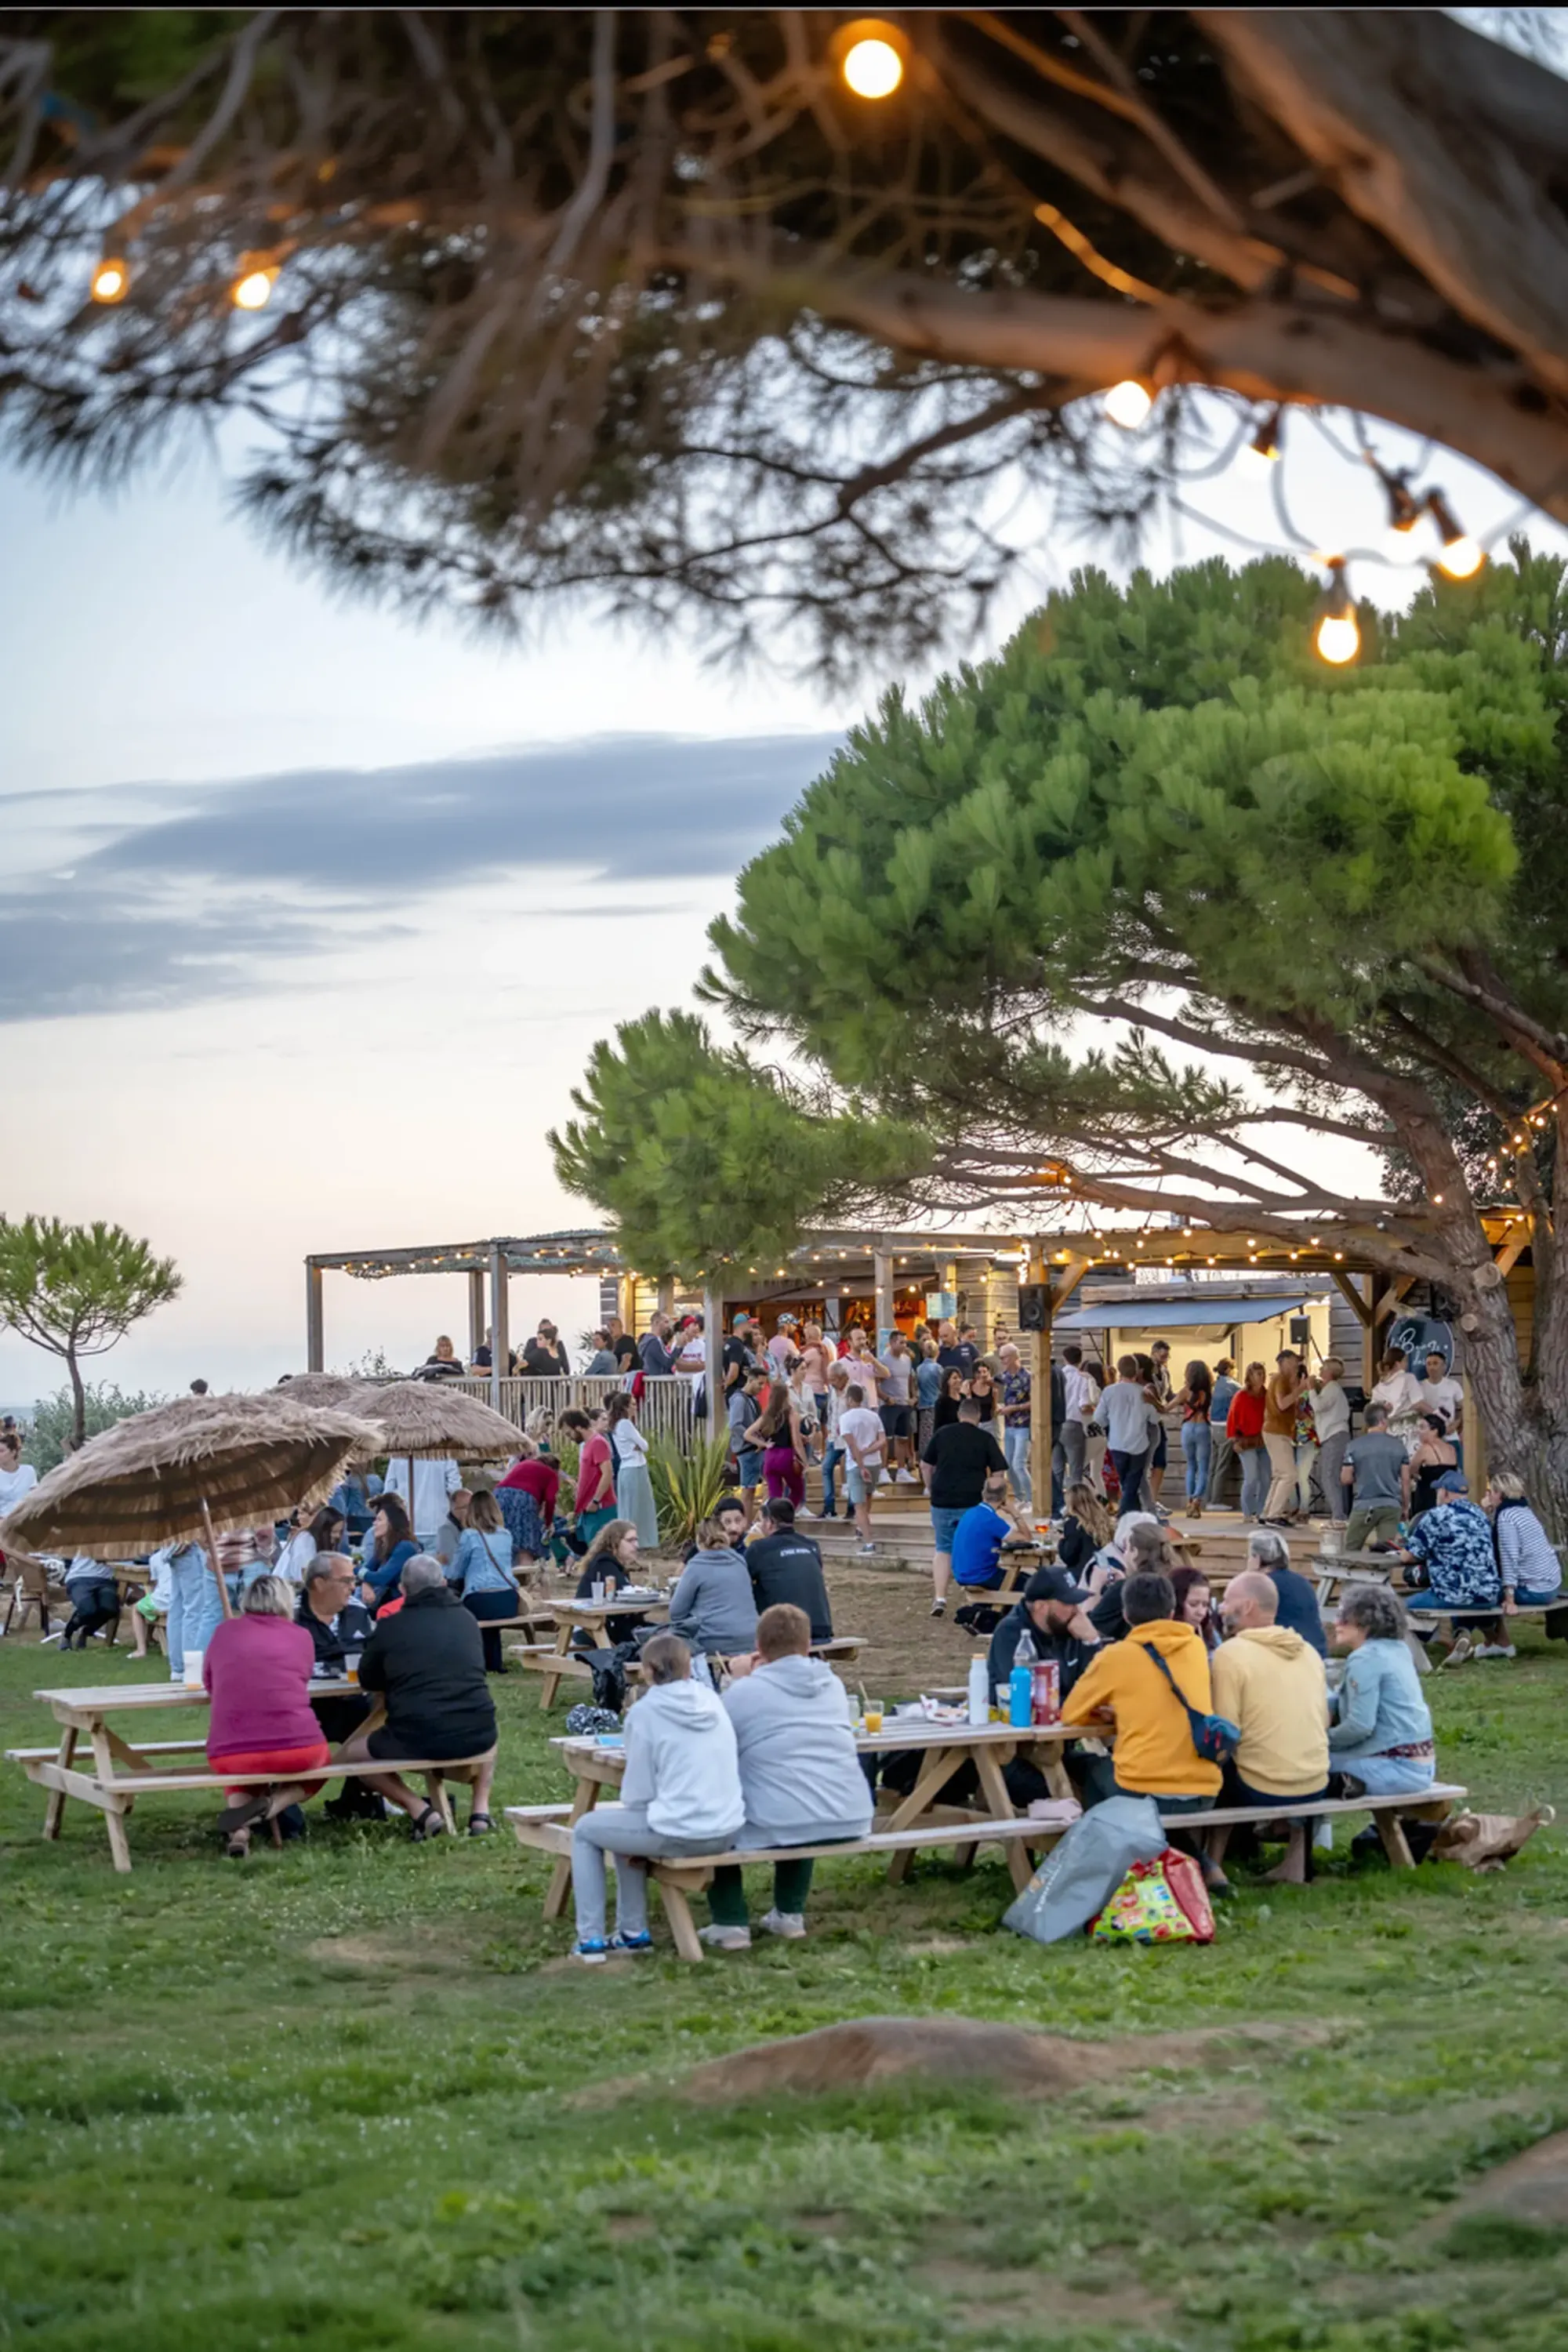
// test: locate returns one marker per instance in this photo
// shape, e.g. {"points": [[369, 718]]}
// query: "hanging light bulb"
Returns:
{"points": [[1127, 404], [1461, 559], [110, 279], [1404, 512], [252, 289], [1336, 638], [870, 54], [1263, 451]]}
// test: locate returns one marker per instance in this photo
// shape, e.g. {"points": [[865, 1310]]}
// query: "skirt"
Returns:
{"points": [[634, 1501], [520, 1512]]}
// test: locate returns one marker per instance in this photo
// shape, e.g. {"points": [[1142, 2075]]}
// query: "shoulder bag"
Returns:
{"points": [[1214, 1736]]}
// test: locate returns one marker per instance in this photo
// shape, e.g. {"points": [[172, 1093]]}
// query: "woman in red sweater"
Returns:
{"points": [[256, 1669], [527, 1498], [1244, 1427]]}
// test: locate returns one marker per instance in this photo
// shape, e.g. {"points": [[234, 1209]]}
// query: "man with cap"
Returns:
{"points": [[1048, 1623], [782, 1348], [738, 1357], [1453, 1543]]}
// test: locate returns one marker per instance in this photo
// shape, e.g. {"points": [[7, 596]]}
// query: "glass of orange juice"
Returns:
{"points": [[873, 1715]]}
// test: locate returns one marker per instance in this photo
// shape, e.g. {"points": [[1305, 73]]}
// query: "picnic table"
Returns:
{"points": [[947, 1747], [555, 1659]]}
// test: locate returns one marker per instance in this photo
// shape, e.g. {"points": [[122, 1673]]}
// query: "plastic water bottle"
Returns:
{"points": [[1020, 1697], [979, 1690]]}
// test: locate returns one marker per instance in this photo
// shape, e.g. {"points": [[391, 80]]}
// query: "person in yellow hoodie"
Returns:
{"points": [[1124, 1688], [1270, 1683]]}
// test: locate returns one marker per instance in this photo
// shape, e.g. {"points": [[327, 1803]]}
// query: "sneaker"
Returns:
{"points": [[791, 1925], [726, 1939], [593, 1951], [866, 1547], [1495, 1650], [804, 1514], [1463, 1648], [643, 1943], [938, 1608], [907, 1479]]}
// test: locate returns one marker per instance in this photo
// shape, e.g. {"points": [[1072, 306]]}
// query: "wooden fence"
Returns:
{"points": [[665, 1408]]}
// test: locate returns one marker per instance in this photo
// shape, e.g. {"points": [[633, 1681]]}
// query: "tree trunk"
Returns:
{"points": [[1523, 1432], [79, 1407]]}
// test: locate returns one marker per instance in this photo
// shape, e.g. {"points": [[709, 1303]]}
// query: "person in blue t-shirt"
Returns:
{"points": [[981, 1533]]}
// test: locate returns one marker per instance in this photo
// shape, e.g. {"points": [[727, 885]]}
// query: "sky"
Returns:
{"points": [[310, 917]]}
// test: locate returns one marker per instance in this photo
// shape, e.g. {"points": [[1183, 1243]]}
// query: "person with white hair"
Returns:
{"points": [[1298, 1610]]}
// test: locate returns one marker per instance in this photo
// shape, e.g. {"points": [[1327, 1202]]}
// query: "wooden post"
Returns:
{"points": [[1042, 1437], [1369, 1335], [315, 1328], [476, 1312], [713, 1359], [882, 1290], [501, 1339]]}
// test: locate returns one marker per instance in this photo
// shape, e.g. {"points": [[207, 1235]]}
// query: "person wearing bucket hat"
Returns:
{"points": [[1048, 1623], [1450, 1546]]}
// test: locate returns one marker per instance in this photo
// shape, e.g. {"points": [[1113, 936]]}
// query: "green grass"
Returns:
{"points": [[327, 2099]]}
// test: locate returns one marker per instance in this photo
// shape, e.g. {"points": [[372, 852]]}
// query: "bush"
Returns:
{"points": [[686, 1485], [51, 1420]]}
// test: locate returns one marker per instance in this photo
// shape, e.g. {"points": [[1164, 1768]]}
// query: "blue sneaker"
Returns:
{"points": [[592, 1952], [643, 1943]]}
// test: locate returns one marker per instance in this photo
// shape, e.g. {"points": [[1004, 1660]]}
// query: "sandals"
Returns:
{"points": [[479, 1825], [235, 1818], [429, 1825]]}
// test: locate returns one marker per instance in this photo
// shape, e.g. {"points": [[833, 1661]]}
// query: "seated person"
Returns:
{"points": [[1530, 1570], [1271, 1683], [611, 1559], [338, 1625], [785, 1569], [1142, 1547], [1195, 1606], [981, 1534], [1380, 1735], [731, 1516], [449, 1534], [712, 1606], [1374, 1472], [1453, 1543], [1299, 1610], [680, 1795], [428, 1665], [257, 1670], [800, 1773], [480, 1573], [1048, 1622], [1128, 1685], [1434, 1453], [389, 1547], [150, 1612], [1087, 1528]]}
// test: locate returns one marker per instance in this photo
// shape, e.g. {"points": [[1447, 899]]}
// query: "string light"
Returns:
{"points": [[1404, 511], [1127, 404], [870, 56], [1461, 559], [1336, 638], [1263, 451], [252, 290], [110, 279]]}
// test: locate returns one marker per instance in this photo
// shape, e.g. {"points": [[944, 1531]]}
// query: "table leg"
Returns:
{"points": [[585, 1798], [943, 1764], [1396, 1844], [550, 1683], [114, 1812], [53, 1812]]}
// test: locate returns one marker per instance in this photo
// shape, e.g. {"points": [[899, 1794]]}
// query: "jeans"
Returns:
{"points": [[1222, 1454], [1015, 1446], [1254, 1480], [1195, 1446], [484, 1605], [831, 1459], [1388, 1776], [196, 1611], [623, 1832], [95, 1602], [1330, 1462], [1129, 1470], [1074, 1444]]}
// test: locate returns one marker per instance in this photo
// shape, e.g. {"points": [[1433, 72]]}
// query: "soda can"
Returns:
{"points": [[1046, 1693]]}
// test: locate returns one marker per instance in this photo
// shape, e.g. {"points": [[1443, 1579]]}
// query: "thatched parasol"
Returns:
{"points": [[420, 1421], [185, 1469]]}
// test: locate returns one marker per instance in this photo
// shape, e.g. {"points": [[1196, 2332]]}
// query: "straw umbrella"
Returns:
{"points": [[185, 1469], [420, 1421]]}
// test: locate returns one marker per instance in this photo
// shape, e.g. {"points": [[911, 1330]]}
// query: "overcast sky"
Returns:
{"points": [[308, 918]]}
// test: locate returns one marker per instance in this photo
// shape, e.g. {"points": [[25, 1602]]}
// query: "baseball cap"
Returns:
{"points": [[1052, 1584], [739, 1322], [1452, 1481]]}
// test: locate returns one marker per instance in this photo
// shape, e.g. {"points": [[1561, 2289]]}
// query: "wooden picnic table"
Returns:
{"points": [[948, 1748], [556, 1660]]}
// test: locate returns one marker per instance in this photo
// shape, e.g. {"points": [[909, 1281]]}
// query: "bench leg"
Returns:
{"points": [[53, 1812], [682, 1926], [119, 1843], [1396, 1844], [586, 1798], [437, 1792]]}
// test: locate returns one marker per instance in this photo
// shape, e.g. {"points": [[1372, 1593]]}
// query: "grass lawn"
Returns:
{"points": [[328, 2098]]}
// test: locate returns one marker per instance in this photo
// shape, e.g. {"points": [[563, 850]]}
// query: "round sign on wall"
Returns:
{"points": [[1421, 1336]]}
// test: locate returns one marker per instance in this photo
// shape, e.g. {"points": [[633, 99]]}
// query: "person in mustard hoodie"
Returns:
{"points": [[1124, 1688], [1270, 1683]]}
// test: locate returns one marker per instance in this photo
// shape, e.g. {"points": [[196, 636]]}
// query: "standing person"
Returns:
{"points": [[861, 1434], [16, 1477], [388, 1547], [961, 1458], [785, 1566], [982, 1388], [866, 1368], [623, 1347], [443, 1364], [776, 1431], [434, 1484], [1016, 1418], [526, 1499], [1244, 1427], [800, 1774], [781, 1349], [745, 1407], [1305, 1452], [1331, 1420], [1096, 1443], [653, 1354], [481, 1573], [634, 1487], [833, 1451], [1222, 1452], [243, 1555], [1381, 1735], [949, 1396], [1131, 1423], [1399, 1392], [897, 1408], [1375, 1474], [1158, 1377], [1279, 1439], [1441, 1392], [814, 1360], [680, 1794], [257, 1671], [429, 1665], [594, 1501], [1433, 1454], [1197, 1403], [544, 1357], [601, 1363], [929, 1378], [1079, 1397], [484, 1356], [805, 1403], [195, 1608]]}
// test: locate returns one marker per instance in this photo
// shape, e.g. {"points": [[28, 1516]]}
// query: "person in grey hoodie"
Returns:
{"points": [[680, 1795], [713, 1606], [800, 1772]]}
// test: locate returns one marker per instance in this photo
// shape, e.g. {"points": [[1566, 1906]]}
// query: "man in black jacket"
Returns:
{"points": [[786, 1566], [427, 1664], [1048, 1623], [341, 1627]]}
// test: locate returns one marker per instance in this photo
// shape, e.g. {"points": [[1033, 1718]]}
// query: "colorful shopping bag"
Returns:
{"points": [[1159, 1902]]}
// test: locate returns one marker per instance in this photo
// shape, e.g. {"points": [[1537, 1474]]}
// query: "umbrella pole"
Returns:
{"points": [[212, 1555]]}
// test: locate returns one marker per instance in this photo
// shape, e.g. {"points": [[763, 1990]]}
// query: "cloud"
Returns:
{"points": [[151, 897]]}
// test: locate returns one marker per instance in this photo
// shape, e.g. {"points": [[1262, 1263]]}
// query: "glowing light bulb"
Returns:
{"points": [[1263, 451], [253, 291], [1461, 559], [1127, 404], [110, 281], [1338, 639], [873, 68]]}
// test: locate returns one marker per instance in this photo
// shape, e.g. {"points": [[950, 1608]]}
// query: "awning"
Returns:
{"points": [[1182, 1314]]}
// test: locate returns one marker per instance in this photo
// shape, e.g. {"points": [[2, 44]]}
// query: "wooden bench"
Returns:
{"points": [[547, 1829], [1428, 1804], [114, 1794], [558, 1665]]}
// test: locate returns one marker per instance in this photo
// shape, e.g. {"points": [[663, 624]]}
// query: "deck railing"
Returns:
{"points": [[665, 1408]]}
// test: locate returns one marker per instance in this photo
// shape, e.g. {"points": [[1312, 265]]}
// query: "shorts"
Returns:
{"points": [[897, 1419], [1157, 1459], [857, 1485], [748, 1467], [944, 1527]]}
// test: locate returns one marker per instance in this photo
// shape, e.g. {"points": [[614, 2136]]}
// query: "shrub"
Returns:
{"points": [[687, 1483], [52, 1417]]}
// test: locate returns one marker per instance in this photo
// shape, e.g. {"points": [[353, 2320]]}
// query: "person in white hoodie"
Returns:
{"points": [[800, 1772], [680, 1795]]}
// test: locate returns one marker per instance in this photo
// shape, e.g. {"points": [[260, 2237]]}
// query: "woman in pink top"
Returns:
{"points": [[256, 1669]]}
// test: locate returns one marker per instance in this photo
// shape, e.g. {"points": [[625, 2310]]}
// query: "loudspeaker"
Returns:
{"points": [[1300, 1330], [1033, 1298]]}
